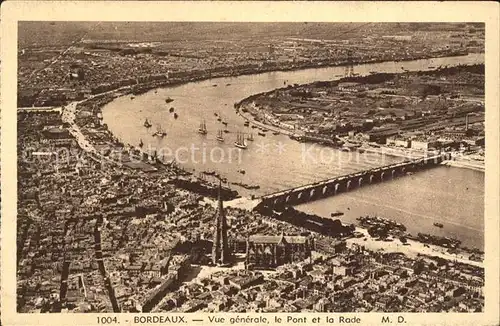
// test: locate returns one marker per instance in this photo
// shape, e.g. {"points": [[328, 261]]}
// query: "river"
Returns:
{"points": [[275, 162]]}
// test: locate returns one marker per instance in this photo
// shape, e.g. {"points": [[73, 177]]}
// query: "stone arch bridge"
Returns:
{"points": [[344, 183]]}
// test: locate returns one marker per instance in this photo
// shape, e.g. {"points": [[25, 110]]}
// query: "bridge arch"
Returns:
{"points": [[393, 173], [299, 196], [336, 188], [312, 193], [382, 175], [360, 181], [348, 185], [403, 170], [287, 199], [372, 177], [325, 190]]}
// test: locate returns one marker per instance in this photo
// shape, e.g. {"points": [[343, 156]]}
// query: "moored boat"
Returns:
{"points": [[160, 132], [203, 128], [240, 141], [219, 136]]}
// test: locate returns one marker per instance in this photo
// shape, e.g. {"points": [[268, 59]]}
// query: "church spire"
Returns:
{"points": [[220, 252]]}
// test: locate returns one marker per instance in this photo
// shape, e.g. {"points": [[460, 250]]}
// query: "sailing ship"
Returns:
{"points": [[160, 132], [250, 137], [147, 124], [203, 128], [240, 141], [219, 136], [168, 100]]}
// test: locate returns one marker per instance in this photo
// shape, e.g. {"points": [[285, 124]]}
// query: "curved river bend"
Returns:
{"points": [[451, 196]]}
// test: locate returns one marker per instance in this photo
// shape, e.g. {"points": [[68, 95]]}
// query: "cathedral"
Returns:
{"points": [[269, 251]]}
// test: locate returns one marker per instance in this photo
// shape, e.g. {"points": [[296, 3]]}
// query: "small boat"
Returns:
{"points": [[160, 132], [214, 85], [242, 171], [141, 144], [219, 136], [254, 127], [246, 123], [168, 100], [171, 110], [276, 133], [215, 113], [226, 131], [228, 84], [262, 134], [439, 225], [132, 97], [147, 124], [203, 128], [224, 123], [240, 141], [250, 137], [176, 115], [336, 213], [264, 130], [431, 67], [219, 119]]}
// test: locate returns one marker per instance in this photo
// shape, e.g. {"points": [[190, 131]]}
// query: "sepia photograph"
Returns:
{"points": [[250, 167]]}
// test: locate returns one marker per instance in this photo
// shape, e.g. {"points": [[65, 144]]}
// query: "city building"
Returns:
{"points": [[265, 251]]}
